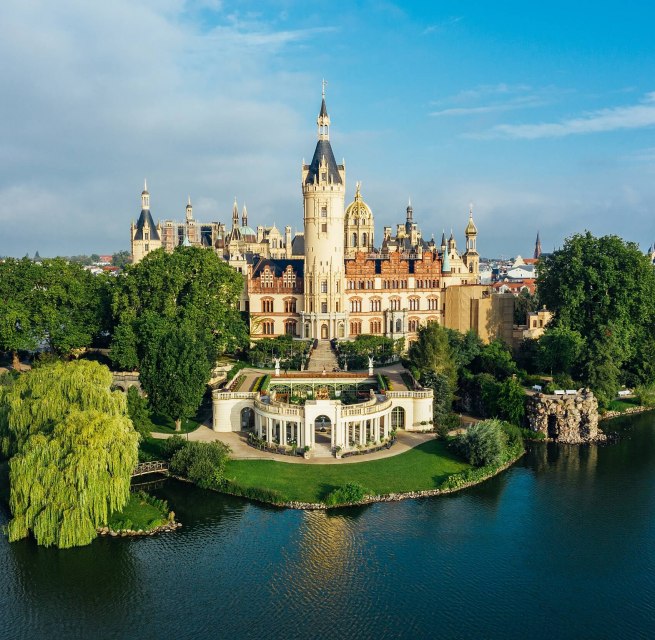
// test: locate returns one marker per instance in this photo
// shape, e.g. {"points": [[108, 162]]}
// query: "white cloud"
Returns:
{"points": [[611, 119]]}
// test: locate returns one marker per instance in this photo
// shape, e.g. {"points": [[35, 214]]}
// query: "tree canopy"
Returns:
{"points": [[190, 285], [54, 304], [73, 450], [603, 289]]}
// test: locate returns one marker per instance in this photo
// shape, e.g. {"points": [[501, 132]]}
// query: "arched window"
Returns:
{"points": [[355, 328], [267, 305], [354, 240], [365, 239], [397, 418], [399, 325], [268, 328], [413, 325], [290, 327]]}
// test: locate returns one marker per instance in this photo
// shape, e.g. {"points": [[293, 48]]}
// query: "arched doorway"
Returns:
{"points": [[247, 419], [397, 418], [324, 331], [323, 431]]}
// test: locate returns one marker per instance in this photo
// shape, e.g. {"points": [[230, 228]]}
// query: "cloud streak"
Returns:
{"points": [[636, 116]]}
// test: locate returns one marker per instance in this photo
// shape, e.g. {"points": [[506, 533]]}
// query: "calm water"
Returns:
{"points": [[560, 546]]}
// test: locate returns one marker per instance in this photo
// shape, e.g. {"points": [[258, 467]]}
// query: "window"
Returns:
{"points": [[414, 304], [376, 326], [324, 227], [323, 212], [290, 327], [323, 307], [354, 240], [324, 286], [355, 328], [355, 305], [413, 325], [365, 239], [290, 305], [268, 328], [433, 304], [267, 305], [376, 305], [399, 325], [395, 304]]}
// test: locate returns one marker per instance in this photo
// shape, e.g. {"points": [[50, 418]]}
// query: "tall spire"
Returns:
{"points": [[235, 214], [537, 247], [145, 197], [323, 120], [244, 216], [189, 210]]}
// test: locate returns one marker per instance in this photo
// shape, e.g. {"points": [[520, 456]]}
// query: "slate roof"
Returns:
{"points": [[145, 221], [298, 246], [278, 266], [323, 148]]}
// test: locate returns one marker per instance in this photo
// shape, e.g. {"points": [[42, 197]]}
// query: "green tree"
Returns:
{"points": [[35, 402], [190, 285], [202, 462], [66, 484], [603, 288], [175, 367], [431, 355], [511, 401], [483, 443], [139, 412], [496, 359], [560, 349], [53, 303], [121, 258], [525, 303]]}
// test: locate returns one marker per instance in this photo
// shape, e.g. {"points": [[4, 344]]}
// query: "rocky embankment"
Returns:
{"points": [[125, 533]]}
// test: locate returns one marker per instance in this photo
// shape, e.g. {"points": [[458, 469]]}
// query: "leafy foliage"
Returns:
{"points": [[488, 443], [347, 494], [646, 394], [35, 402], [139, 412], [55, 303], [603, 288], [202, 462], [189, 286], [560, 349], [64, 485]]}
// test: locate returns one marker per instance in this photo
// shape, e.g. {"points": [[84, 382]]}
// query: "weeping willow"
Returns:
{"points": [[34, 402], [66, 483]]}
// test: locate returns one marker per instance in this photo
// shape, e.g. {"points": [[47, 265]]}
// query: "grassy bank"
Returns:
{"points": [[142, 512], [424, 467]]}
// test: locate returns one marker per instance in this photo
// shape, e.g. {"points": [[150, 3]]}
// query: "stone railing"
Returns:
{"points": [[279, 407], [235, 395], [426, 393], [365, 408]]}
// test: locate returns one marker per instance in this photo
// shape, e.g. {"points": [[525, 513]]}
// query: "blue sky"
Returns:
{"points": [[540, 114]]}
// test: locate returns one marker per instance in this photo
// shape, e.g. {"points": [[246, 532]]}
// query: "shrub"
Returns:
{"points": [[235, 369], [483, 443], [137, 407], [172, 445], [381, 382], [348, 493], [646, 394], [201, 462]]}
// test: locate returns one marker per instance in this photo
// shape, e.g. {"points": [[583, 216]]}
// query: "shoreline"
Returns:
{"points": [[610, 415], [388, 497]]}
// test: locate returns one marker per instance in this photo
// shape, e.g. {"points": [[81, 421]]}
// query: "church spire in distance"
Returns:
{"points": [[537, 247]]}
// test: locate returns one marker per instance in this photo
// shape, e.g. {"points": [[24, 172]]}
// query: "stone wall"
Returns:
{"points": [[572, 419]]}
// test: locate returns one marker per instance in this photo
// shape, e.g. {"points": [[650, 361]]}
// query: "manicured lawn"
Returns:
{"points": [[164, 424], [623, 404], [424, 467], [137, 514]]}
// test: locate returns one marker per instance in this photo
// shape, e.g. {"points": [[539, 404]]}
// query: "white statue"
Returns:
{"points": [[277, 366]]}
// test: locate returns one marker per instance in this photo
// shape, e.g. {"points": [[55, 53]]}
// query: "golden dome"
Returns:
{"points": [[471, 229], [358, 208]]}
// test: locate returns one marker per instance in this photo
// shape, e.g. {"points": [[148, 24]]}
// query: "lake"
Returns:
{"points": [[562, 545]]}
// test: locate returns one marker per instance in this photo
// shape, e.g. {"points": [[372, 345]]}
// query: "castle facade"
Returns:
{"points": [[330, 281]]}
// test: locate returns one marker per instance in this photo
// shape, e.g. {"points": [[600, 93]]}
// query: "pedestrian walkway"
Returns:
{"points": [[241, 450], [322, 358]]}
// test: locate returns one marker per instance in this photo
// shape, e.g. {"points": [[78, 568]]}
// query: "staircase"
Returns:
{"points": [[323, 358]]}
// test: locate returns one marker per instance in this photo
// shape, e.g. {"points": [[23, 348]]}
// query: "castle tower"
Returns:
{"points": [[145, 235], [358, 229], [537, 247], [189, 211], [471, 256], [323, 188]]}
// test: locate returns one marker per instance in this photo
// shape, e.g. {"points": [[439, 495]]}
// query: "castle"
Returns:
{"points": [[331, 281]]}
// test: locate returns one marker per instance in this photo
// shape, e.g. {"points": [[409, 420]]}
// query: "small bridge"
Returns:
{"points": [[144, 468]]}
